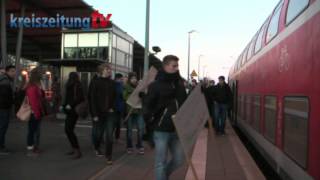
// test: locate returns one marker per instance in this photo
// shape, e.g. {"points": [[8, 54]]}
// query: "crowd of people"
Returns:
{"points": [[106, 104]]}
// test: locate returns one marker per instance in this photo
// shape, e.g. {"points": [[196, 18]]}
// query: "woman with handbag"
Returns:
{"points": [[35, 97], [73, 97]]}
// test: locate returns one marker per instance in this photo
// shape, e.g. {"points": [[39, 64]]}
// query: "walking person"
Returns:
{"points": [[223, 99], [164, 97], [120, 105], [73, 97], [6, 102], [135, 117], [102, 101], [35, 96]]}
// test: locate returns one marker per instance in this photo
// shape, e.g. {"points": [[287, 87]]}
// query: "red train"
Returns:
{"points": [[277, 93]]}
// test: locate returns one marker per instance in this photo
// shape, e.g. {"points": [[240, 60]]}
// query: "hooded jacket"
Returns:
{"points": [[6, 92], [165, 96]]}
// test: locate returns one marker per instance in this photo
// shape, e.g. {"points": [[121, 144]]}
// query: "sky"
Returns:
{"points": [[224, 28]]}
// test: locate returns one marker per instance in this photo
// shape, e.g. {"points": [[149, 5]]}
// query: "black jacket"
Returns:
{"points": [[6, 92], [102, 96], [222, 94], [74, 95], [165, 95]]}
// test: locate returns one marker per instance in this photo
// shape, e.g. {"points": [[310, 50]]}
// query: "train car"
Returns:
{"points": [[277, 91]]}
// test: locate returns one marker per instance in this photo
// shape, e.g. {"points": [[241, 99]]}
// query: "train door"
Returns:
{"points": [[235, 102]]}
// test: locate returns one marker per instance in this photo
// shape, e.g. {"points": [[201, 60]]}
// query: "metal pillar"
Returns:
{"points": [[188, 75], [19, 45], [4, 57], [146, 48]]}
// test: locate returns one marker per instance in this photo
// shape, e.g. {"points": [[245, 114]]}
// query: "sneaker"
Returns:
{"points": [[4, 151], [98, 153], [31, 153], [129, 150], [141, 151], [109, 161], [70, 153]]}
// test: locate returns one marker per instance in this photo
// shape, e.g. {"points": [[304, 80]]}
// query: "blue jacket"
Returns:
{"points": [[119, 97]]}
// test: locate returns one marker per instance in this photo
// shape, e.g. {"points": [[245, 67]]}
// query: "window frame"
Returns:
{"points": [[254, 112], [308, 130], [293, 19], [262, 30], [280, 6], [264, 118]]}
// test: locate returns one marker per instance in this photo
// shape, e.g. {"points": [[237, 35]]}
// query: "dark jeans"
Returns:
{"points": [[138, 120], [104, 124], [166, 141], [220, 117], [117, 124], [33, 132], [70, 124], [4, 124]]}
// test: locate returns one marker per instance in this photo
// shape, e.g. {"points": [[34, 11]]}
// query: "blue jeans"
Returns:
{"points": [[33, 138], [165, 141], [220, 116], [105, 124], [4, 124], [138, 120]]}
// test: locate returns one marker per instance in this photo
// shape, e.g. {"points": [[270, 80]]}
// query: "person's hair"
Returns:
{"points": [[131, 75], [101, 67], [35, 77], [169, 58], [118, 76], [9, 67], [221, 78], [73, 79]]}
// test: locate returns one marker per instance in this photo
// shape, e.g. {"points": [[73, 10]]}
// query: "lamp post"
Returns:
{"points": [[199, 66], [146, 48], [189, 34]]}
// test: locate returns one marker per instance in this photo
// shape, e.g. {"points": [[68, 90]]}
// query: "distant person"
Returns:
{"points": [[6, 102], [135, 117], [2, 70], [56, 97], [73, 97], [35, 96], [19, 94], [209, 96], [120, 105], [164, 97], [102, 99], [222, 98]]}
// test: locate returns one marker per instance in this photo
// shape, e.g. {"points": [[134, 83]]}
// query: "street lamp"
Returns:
{"points": [[199, 66], [204, 69], [189, 34], [146, 50]]}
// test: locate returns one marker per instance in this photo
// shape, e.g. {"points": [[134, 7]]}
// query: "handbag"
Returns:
{"points": [[24, 112]]}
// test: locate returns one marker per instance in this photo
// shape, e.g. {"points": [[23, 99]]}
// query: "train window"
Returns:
{"points": [[248, 109], [296, 116], [239, 107], [244, 56], [256, 113], [274, 23], [251, 48], [295, 8], [243, 108], [270, 117], [259, 41]]}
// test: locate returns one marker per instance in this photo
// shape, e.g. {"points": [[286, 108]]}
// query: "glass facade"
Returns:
{"points": [[86, 46], [95, 45]]}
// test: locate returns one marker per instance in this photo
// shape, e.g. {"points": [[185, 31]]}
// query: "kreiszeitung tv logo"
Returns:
{"points": [[96, 20]]}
